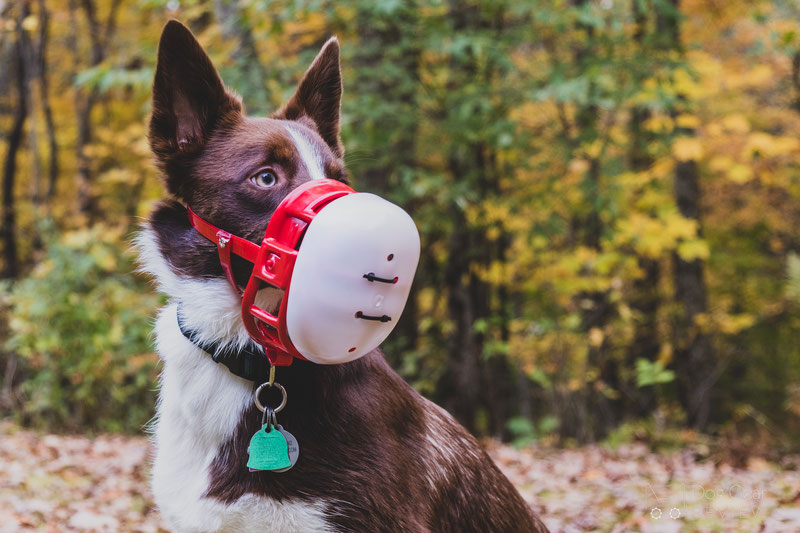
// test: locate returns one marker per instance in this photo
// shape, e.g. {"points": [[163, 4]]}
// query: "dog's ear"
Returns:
{"points": [[319, 96], [189, 100]]}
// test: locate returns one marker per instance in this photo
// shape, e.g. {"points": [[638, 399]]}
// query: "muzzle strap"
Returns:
{"points": [[226, 243]]}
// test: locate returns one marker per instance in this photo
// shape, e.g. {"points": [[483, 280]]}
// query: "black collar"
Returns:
{"points": [[249, 362]]}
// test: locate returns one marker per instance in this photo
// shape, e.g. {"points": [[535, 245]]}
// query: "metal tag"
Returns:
{"points": [[293, 448]]}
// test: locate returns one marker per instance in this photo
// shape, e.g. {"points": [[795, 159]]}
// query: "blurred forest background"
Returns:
{"points": [[608, 193]]}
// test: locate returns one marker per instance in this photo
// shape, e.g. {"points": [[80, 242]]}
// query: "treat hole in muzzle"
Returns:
{"points": [[381, 318], [371, 277]]}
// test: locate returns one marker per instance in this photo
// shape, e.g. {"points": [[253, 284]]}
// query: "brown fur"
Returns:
{"points": [[389, 459]]}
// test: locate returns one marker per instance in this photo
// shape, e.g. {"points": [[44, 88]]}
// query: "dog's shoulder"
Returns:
{"points": [[376, 454]]}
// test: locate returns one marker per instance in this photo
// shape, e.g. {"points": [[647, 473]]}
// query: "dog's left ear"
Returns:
{"points": [[319, 96]]}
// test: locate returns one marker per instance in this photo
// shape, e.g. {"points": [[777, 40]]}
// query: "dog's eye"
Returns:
{"points": [[264, 179]]}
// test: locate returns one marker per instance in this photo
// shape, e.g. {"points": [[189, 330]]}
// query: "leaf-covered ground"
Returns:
{"points": [[73, 483]]}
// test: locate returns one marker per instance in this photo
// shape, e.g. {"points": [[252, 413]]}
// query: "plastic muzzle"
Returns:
{"points": [[345, 262]]}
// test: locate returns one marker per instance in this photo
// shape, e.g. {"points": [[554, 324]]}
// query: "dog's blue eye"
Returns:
{"points": [[265, 179]]}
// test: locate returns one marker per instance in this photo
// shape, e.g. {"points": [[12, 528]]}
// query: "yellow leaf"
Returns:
{"points": [[539, 242], [713, 130], [702, 321], [687, 121], [761, 75], [740, 173], [687, 149], [732, 324], [596, 336], [684, 83], [665, 354], [693, 249], [677, 226], [31, 23], [721, 163], [766, 145], [593, 150], [785, 145], [660, 124], [736, 123]]}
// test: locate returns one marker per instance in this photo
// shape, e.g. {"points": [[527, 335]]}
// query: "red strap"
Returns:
{"points": [[224, 251], [225, 244], [239, 246]]}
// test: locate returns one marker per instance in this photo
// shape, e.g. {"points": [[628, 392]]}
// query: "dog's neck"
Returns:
{"points": [[209, 306], [212, 310]]}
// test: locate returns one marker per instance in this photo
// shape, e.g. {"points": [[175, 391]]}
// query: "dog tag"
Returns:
{"points": [[268, 450], [294, 448]]}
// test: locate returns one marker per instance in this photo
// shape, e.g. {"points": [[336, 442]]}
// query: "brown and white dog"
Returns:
{"points": [[374, 454]]}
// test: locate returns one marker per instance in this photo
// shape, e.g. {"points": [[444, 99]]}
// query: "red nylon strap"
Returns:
{"points": [[241, 247], [225, 244]]}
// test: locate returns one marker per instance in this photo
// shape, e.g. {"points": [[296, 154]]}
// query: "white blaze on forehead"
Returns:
{"points": [[308, 153]]}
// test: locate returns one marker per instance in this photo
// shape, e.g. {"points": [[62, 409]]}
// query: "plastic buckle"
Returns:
{"points": [[277, 357], [224, 251], [275, 262]]}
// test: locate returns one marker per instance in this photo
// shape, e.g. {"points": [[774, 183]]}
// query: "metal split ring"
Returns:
{"points": [[270, 385], [269, 419]]}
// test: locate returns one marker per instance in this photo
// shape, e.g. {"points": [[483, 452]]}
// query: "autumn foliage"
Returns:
{"points": [[608, 194]]}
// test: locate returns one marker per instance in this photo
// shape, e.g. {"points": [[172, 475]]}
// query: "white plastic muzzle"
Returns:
{"points": [[351, 278]]}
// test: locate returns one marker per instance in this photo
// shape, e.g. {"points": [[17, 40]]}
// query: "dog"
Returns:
{"points": [[375, 455]]}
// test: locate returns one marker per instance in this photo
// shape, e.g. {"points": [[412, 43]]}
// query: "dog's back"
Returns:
{"points": [[375, 455]]}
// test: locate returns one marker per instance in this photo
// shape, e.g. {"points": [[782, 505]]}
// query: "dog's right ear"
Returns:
{"points": [[189, 102]]}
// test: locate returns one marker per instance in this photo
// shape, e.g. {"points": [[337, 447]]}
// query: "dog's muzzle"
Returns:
{"points": [[345, 261]]}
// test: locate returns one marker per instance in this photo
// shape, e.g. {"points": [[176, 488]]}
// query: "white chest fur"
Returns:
{"points": [[199, 406]]}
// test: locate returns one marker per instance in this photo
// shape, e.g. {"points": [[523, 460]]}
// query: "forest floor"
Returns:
{"points": [[74, 483]]}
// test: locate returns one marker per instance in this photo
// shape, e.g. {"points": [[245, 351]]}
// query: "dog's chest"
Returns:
{"points": [[200, 405]]}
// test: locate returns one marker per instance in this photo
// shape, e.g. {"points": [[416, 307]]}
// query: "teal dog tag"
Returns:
{"points": [[268, 450]]}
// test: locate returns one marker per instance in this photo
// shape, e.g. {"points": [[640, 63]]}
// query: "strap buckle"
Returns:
{"points": [[224, 251]]}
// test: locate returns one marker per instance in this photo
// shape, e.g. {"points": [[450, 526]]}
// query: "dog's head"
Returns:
{"points": [[231, 169]]}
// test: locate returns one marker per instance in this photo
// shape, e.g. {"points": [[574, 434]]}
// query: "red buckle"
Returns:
{"points": [[275, 263]]}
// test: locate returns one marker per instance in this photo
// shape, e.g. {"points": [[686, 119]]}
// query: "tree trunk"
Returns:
{"points": [[506, 392], [460, 384], [11, 266], [796, 80], [35, 172], [100, 37], [44, 88], [694, 357], [645, 300], [594, 408]]}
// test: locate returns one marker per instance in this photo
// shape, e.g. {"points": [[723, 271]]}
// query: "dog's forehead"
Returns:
{"points": [[260, 134], [282, 138]]}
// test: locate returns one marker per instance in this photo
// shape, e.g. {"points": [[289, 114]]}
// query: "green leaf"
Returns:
{"points": [[652, 373]]}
